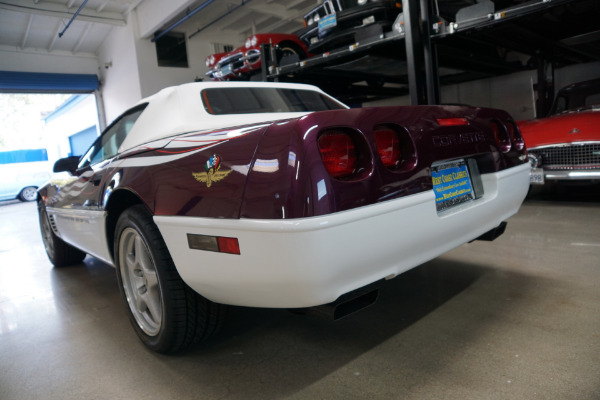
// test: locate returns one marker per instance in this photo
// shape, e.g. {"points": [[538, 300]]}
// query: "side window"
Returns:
{"points": [[107, 145], [561, 105], [592, 100]]}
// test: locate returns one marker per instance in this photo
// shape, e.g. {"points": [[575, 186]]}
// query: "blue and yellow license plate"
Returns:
{"points": [[451, 184], [327, 22]]}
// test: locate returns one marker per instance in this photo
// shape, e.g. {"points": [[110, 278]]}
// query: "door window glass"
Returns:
{"points": [[107, 145]]}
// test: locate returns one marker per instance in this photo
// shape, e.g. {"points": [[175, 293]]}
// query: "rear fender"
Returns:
{"points": [[198, 174]]}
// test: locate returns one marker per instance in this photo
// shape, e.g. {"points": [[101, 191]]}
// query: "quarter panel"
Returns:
{"points": [[199, 174]]}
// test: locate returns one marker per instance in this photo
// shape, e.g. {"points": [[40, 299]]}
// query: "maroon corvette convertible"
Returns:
{"points": [[275, 195]]}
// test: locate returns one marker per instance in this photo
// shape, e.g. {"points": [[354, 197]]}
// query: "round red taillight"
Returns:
{"points": [[388, 146], [338, 153], [515, 135], [395, 147], [501, 135]]}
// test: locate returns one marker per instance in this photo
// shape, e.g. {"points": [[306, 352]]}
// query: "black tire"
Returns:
{"points": [[28, 194], [289, 49], [59, 253], [166, 314]]}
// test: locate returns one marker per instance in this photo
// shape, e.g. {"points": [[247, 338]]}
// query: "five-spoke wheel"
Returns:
{"points": [[166, 314], [140, 282]]}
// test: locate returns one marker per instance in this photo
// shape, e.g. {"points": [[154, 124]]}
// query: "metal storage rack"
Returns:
{"points": [[437, 47]]}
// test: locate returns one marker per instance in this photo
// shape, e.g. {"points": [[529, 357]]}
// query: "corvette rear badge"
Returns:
{"points": [[213, 171]]}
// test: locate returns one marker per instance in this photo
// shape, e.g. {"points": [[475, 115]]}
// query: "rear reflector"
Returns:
{"points": [[388, 146], [229, 245], [338, 153], [452, 121], [217, 244]]}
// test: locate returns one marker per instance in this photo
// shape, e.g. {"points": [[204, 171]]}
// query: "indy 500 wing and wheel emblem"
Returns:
{"points": [[268, 194], [213, 172]]}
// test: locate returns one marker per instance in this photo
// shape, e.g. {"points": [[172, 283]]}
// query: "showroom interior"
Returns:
{"points": [[513, 318]]}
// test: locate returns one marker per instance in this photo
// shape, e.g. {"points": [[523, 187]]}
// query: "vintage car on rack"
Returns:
{"points": [[275, 195], [337, 23], [211, 63], [565, 146], [245, 61]]}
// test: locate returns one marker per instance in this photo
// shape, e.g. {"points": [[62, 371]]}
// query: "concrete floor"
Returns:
{"points": [[518, 318]]}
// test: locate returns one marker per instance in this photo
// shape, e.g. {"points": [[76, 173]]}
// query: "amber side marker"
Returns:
{"points": [[217, 244]]}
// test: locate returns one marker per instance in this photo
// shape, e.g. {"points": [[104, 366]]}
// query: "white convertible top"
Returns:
{"points": [[179, 109]]}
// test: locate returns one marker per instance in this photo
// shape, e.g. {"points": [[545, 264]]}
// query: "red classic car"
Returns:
{"points": [[566, 144], [212, 61], [275, 195], [245, 61]]}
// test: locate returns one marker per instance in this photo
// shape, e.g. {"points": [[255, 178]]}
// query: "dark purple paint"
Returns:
{"points": [[276, 172]]}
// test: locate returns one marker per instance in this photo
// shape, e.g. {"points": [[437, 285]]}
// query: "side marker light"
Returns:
{"points": [[216, 244]]}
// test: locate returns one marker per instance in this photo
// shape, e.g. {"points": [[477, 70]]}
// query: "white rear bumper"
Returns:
{"points": [[312, 261]]}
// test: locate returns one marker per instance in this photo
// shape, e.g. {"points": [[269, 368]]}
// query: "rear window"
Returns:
{"points": [[219, 101], [579, 96]]}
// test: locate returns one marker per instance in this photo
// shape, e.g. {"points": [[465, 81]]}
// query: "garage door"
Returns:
{"points": [[30, 82]]}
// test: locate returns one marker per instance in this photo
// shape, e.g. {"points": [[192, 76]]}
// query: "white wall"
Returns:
{"points": [[119, 72], [576, 73], [153, 78], [152, 14], [512, 93], [135, 73], [58, 129], [508, 92], [28, 60]]}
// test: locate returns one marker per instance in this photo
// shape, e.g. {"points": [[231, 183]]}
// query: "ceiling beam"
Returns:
{"points": [[27, 30], [86, 30], [60, 11], [54, 37], [279, 10], [276, 26], [101, 6]]}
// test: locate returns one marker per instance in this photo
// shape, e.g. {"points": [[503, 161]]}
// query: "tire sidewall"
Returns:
{"points": [[23, 196], [60, 253], [139, 219], [290, 48], [49, 242]]}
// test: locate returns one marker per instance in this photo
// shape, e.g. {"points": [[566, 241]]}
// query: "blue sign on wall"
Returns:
{"points": [[22, 156]]}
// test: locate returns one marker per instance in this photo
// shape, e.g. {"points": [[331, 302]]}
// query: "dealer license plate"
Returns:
{"points": [[536, 176], [451, 184], [327, 22]]}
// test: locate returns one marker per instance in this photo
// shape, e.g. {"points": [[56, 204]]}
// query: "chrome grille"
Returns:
{"points": [[572, 156]]}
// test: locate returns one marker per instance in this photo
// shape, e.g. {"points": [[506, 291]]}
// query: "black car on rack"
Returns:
{"points": [[337, 23]]}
